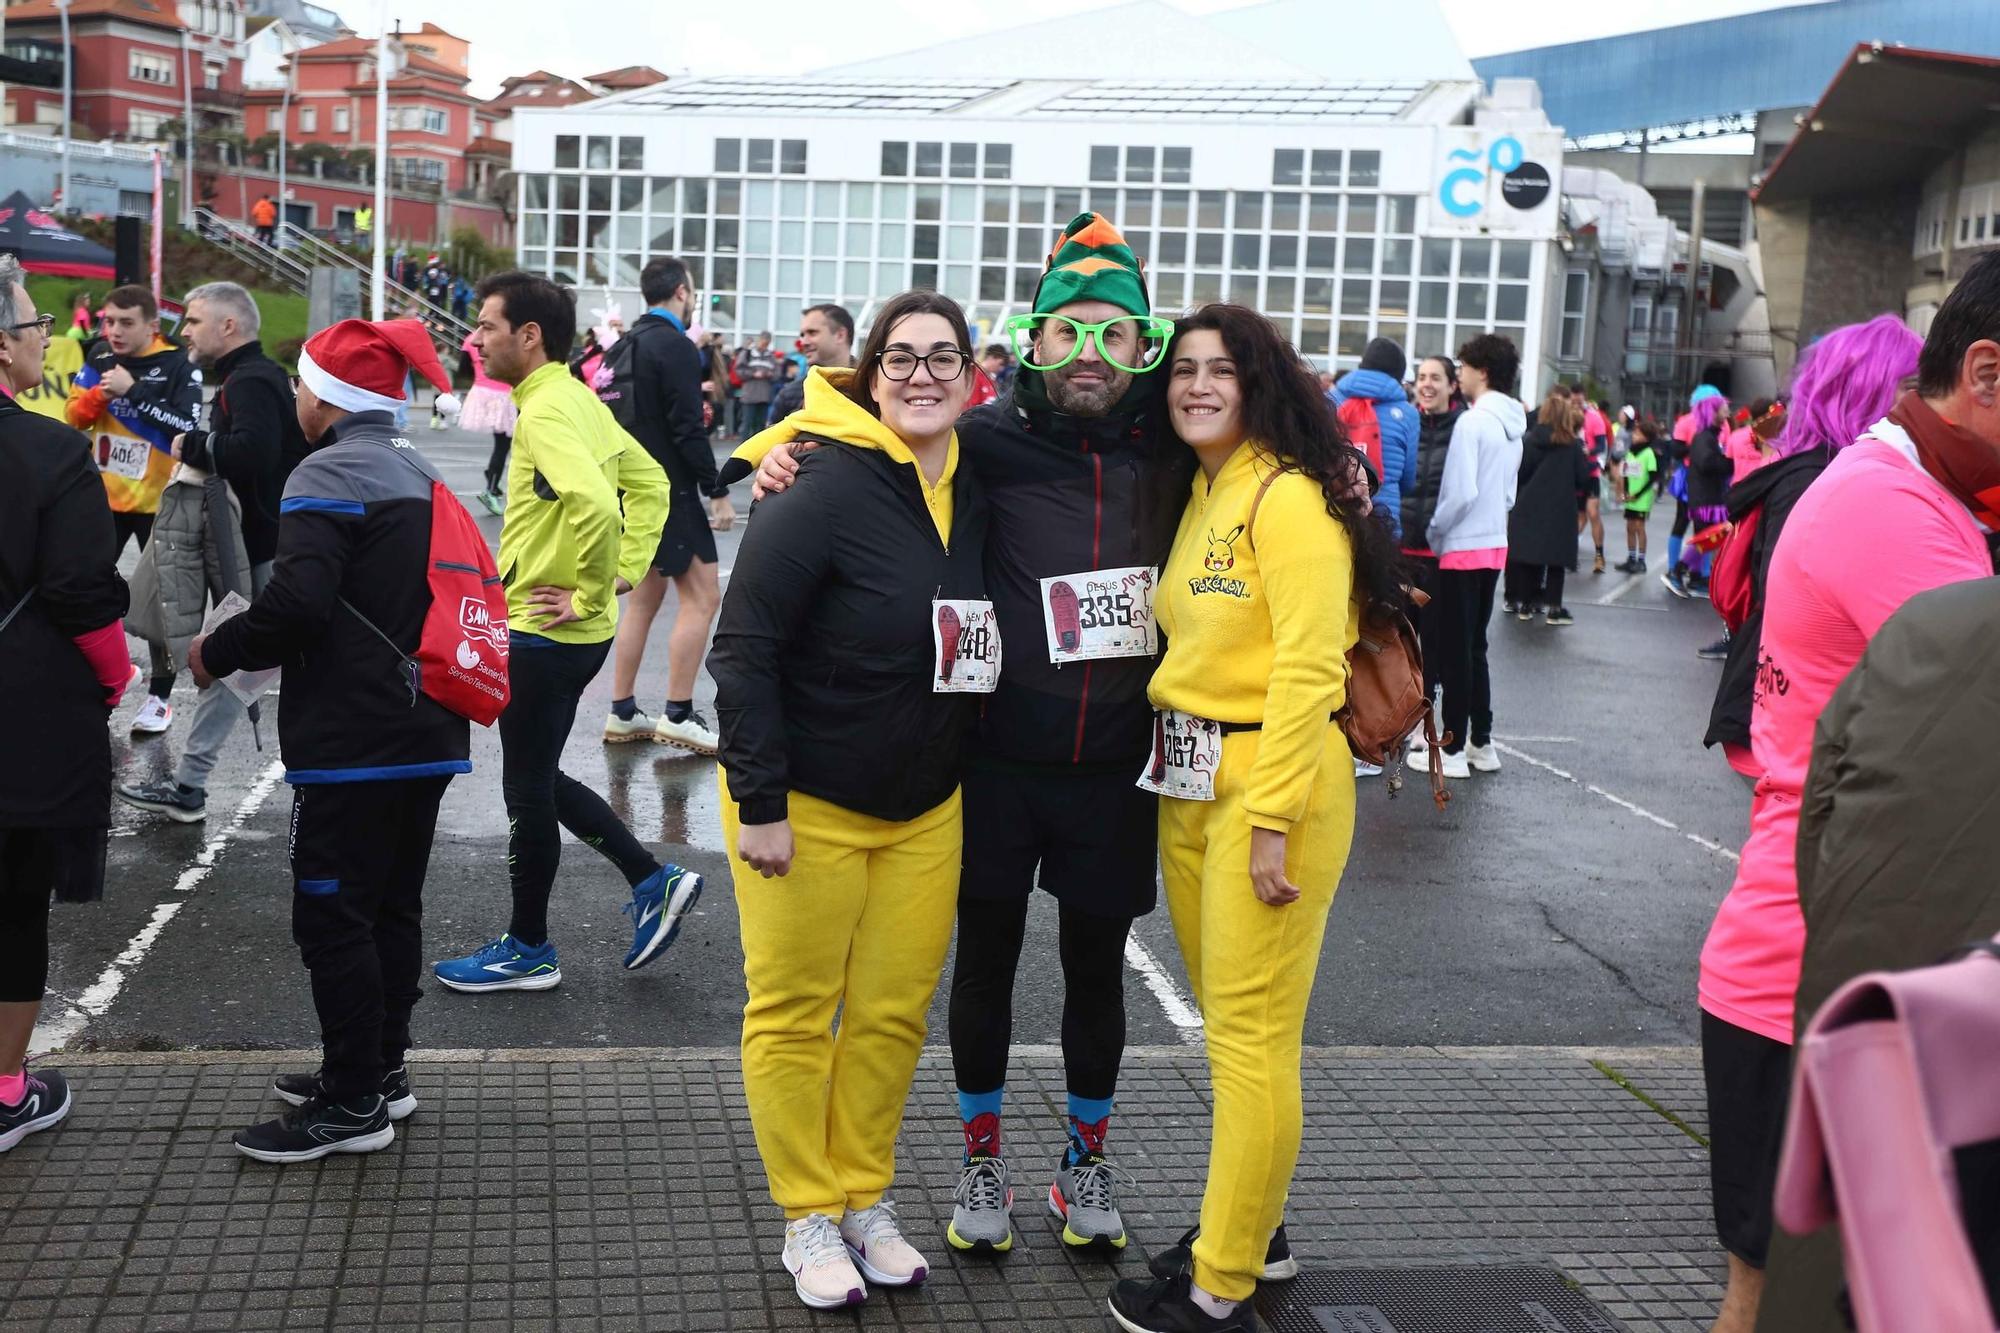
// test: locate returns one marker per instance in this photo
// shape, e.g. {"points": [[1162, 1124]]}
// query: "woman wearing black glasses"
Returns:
{"points": [[853, 647]]}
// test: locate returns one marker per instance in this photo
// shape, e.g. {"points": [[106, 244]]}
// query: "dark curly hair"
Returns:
{"points": [[1287, 414]]}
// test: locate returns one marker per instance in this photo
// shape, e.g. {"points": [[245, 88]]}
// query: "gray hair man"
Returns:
{"points": [[229, 481]]}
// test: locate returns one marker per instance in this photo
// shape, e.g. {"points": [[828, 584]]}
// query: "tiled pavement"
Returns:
{"points": [[621, 1190]]}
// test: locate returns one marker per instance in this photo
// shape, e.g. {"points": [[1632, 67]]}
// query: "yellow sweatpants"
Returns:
{"points": [[1252, 969], [860, 926]]}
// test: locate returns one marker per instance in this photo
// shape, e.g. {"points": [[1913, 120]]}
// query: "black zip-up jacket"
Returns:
{"points": [[355, 525], [1420, 501], [667, 370], [823, 657], [253, 441], [1709, 470], [1774, 488], [1069, 494], [59, 565]]}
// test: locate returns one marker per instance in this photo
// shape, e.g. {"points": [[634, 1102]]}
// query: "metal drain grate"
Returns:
{"points": [[1475, 1299]]}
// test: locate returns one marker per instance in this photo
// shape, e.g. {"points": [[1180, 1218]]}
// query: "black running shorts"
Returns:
{"points": [[686, 537], [1749, 1084], [1090, 839]]}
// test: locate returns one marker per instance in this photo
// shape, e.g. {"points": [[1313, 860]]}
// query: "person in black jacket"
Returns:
{"points": [[666, 376], [367, 753], [1708, 473], [63, 662], [1438, 410], [1086, 489], [253, 442], [854, 642], [1541, 528]]}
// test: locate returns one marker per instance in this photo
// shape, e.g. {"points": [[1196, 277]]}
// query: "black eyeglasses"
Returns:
{"points": [[946, 364], [47, 322]]}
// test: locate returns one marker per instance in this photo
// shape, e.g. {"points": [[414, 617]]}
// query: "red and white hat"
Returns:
{"points": [[360, 366]]}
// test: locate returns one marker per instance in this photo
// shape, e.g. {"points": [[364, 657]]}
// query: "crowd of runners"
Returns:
{"points": [[1173, 532]]}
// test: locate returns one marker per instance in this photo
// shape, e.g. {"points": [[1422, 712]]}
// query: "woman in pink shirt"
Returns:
{"points": [[1904, 509]]}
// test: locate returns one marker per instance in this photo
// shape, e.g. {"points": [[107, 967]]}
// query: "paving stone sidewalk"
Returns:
{"points": [[621, 1190]]}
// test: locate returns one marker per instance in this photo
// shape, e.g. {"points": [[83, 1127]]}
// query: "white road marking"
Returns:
{"points": [[1618, 801], [54, 1033], [1538, 740], [1630, 583], [1178, 1010]]}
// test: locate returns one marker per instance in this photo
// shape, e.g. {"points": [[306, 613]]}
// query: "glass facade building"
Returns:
{"points": [[1322, 205]]}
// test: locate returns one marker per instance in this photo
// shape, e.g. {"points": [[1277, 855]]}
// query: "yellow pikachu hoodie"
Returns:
{"points": [[1259, 617]]}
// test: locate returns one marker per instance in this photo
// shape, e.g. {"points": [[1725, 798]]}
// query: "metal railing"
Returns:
{"points": [[447, 331]]}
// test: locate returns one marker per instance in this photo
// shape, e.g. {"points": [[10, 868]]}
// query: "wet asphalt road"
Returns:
{"points": [[1540, 909]]}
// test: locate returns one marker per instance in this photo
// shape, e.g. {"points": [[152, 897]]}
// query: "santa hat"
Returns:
{"points": [[361, 366]]}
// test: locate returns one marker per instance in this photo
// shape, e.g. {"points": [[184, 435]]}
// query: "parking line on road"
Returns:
{"points": [[1178, 1011], [1630, 583], [52, 1034], [1617, 800]]}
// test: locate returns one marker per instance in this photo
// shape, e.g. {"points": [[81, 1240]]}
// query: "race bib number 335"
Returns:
{"points": [[966, 637], [1104, 613]]}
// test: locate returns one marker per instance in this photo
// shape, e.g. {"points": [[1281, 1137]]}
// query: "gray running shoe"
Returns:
{"points": [[1081, 1196], [982, 1221]]}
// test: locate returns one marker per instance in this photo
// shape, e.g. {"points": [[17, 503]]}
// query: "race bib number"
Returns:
{"points": [[1186, 751], [123, 455], [1105, 613], [966, 637]]}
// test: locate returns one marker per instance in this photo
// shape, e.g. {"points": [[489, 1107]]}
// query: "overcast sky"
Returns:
{"points": [[792, 36]]}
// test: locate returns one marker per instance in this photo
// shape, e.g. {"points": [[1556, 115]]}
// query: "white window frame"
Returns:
{"points": [[308, 119], [1575, 314], [144, 124], [340, 121], [139, 62]]}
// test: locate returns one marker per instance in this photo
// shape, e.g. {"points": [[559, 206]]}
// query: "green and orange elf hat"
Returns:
{"points": [[1092, 262]]}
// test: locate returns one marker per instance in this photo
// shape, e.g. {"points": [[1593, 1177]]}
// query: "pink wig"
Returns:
{"points": [[1846, 382]]}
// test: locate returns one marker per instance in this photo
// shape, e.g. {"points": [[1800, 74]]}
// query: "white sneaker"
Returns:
{"points": [[1419, 759], [1485, 758], [154, 716], [878, 1249], [617, 731], [823, 1275], [692, 734], [1455, 765], [1364, 769]]}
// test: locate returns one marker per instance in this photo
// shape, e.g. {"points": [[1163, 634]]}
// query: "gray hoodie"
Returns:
{"points": [[1481, 469]]}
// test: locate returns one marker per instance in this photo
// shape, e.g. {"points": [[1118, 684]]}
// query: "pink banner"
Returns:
{"points": [[159, 209]]}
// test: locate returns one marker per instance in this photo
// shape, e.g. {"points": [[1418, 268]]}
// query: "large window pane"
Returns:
{"points": [[631, 194], [1173, 247], [569, 192], [929, 203], [1515, 257], [1397, 256], [1433, 300], [1284, 252], [631, 154], [1288, 166], [860, 200], [597, 193], [1394, 301], [930, 159], [958, 243], [1399, 214], [725, 237], [791, 238], [965, 160], [992, 284], [1326, 167], [1475, 258], [1104, 162], [999, 161], [996, 206], [1139, 165], [963, 204], [1209, 207], [792, 157], [1472, 302], [567, 152], [854, 281], [1436, 258], [893, 241], [860, 239], [694, 196], [728, 199], [1316, 296], [1361, 215], [760, 199], [825, 279], [1511, 301], [1246, 253], [694, 234], [993, 242], [1322, 253], [895, 159], [1176, 165], [1324, 214], [1174, 208], [728, 155], [1067, 204], [1356, 298], [1206, 289], [1364, 169], [825, 238], [1208, 247], [597, 152], [792, 199], [759, 159], [1359, 256], [757, 238], [1281, 294], [895, 203]]}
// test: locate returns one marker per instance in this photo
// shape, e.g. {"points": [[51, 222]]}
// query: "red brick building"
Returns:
{"points": [[135, 62]]}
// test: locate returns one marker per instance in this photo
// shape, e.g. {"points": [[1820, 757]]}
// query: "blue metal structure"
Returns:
{"points": [[1752, 62]]}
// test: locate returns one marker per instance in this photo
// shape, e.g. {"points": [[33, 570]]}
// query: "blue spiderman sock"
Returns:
{"points": [[1673, 552], [979, 1113], [1089, 1120]]}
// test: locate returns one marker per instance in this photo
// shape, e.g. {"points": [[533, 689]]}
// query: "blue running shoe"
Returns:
{"points": [[505, 964], [660, 903]]}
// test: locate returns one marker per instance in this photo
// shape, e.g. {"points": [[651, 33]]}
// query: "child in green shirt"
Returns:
{"points": [[1640, 476]]}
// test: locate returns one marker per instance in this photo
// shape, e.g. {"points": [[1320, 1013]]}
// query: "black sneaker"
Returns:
{"points": [[316, 1128], [1279, 1265], [1698, 585], [43, 1102], [298, 1089], [1714, 652], [1561, 616], [1510, 606], [1676, 583], [1167, 1305], [183, 805]]}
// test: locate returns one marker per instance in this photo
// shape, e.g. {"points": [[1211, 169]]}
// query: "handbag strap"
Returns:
{"points": [[25, 598]]}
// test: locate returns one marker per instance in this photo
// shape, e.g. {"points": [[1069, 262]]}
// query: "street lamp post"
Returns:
{"points": [[187, 129], [69, 92], [380, 290], [284, 132]]}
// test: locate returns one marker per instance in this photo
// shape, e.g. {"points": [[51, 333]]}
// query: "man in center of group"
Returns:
{"points": [[566, 551], [826, 338], [664, 415], [1085, 500]]}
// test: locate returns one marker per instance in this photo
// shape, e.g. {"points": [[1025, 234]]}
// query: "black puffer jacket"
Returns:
{"points": [[253, 441], [823, 656], [1709, 470], [1069, 494], [1420, 501], [1541, 528]]}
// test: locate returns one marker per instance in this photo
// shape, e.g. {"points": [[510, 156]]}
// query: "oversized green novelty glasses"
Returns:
{"points": [[1133, 343]]}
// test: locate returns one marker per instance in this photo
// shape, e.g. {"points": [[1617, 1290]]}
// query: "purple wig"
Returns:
{"points": [[1846, 382], [1708, 411]]}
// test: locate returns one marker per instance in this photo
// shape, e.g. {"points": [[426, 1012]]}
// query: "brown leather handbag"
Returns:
{"points": [[1386, 703]]}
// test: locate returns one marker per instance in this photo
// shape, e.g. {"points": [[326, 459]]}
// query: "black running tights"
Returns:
{"points": [[496, 462], [1092, 948]]}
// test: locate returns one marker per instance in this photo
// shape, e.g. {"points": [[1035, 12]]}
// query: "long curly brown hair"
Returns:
{"points": [[1287, 414]]}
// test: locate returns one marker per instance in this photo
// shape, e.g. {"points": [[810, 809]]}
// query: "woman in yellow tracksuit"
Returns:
{"points": [[1259, 604], [852, 649]]}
